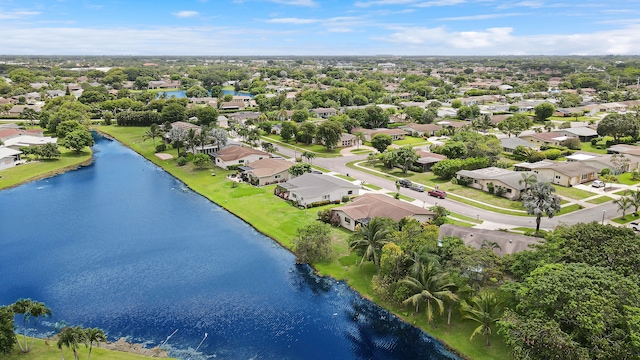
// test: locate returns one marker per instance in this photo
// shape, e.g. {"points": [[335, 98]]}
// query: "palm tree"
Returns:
{"points": [[540, 199], [432, 287], [360, 138], [30, 115], [491, 245], [635, 201], [29, 309], [528, 179], [309, 156], [203, 136], [624, 203], [370, 238], [71, 337], [94, 335], [153, 133], [485, 309], [192, 139]]}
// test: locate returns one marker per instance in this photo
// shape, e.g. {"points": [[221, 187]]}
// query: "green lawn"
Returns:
{"points": [[320, 168], [628, 218], [573, 193], [568, 209], [361, 151], [279, 220], [599, 200], [466, 218], [372, 187], [318, 150], [626, 179], [344, 177], [411, 141], [48, 350], [41, 169], [587, 147], [403, 197]]}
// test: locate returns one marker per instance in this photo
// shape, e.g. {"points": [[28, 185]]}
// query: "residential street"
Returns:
{"points": [[492, 220]]}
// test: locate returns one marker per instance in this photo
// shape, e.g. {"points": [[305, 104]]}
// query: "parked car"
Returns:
{"points": [[416, 187], [404, 182], [635, 226], [597, 184], [438, 193]]}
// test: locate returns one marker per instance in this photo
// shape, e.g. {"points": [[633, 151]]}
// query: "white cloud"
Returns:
{"points": [[481, 17], [440, 3], [295, 2], [384, 2], [185, 14], [534, 4], [292, 21], [20, 14], [502, 41]]}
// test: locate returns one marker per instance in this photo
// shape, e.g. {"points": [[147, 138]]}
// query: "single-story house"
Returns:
{"points": [[347, 140], [237, 155], [396, 134], [624, 149], [163, 84], [222, 121], [29, 141], [510, 143], [325, 113], [17, 110], [8, 157], [232, 105], [7, 133], [584, 133], [509, 243], [421, 129], [427, 159], [550, 138], [311, 188], [266, 171], [493, 178], [55, 93], [561, 173], [242, 116], [370, 206], [606, 161], [454, 124]]}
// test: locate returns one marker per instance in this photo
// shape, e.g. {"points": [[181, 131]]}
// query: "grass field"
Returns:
{"points": [[48, 350], [318, 150], [411, 141], [599, 200], [573, 193], [35, 170], [279, 220], [626, 179]]}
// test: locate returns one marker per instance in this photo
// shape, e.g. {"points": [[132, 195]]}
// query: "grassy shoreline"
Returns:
{"points": [[44, 349], [37, 170], [279, 221]]}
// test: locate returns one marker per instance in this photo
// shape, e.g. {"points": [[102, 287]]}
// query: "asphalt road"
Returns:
{"points": [[609, 210]]}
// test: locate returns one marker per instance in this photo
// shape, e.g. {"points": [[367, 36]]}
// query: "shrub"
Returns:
{"points": [[181, 161], [345, 199], [503, 164], [500, 190], [182, 154], [324, 216], [161, 147], [490, 188], [552, 154], [536, 156], [572, 143], [595, 141]]}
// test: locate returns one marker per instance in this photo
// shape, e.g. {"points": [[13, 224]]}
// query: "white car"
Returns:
{"points": [[634, 225], [597, 184]]}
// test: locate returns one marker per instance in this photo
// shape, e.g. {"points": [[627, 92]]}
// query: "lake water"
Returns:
{"points": [[183, 93], [123, 246]]}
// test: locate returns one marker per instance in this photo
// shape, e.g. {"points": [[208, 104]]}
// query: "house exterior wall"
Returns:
{"points": [[350, 224], [482, 184], [244, 161], [7, 162], [275, 178], [334, 195], [560, 179]]}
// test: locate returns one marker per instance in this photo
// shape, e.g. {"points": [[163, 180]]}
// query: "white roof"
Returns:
{"points": [[579, 157], [29, 140], [6, 152]]}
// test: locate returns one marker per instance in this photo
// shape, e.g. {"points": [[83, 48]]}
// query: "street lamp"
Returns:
{"points": [[604, 212]]}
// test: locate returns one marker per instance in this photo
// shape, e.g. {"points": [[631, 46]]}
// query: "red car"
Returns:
{"points": [[438, 193]]}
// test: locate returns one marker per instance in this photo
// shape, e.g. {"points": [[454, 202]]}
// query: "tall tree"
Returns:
{"points": [[485, 309], [329, 134], [191, 139], [617, 126], [541, 200], [432, 288], [405, 157], [309, 156], [78, 140], [370, 238], [7, 336], [177, 136], [624, 204], [71, 337], [94, 335], [29, 309], [381, 141], [528, 179], [544, 111], [152, 133]]}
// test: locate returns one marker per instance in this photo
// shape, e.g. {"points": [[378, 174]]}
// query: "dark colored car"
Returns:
{"points": [[404, 183], [438, 193], [416, 187]]}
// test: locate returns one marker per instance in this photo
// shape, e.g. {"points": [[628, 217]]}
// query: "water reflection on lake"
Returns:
{"points": [[123, 246]]}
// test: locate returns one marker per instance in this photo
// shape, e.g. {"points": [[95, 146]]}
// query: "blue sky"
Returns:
{"points": [[320, 27]]}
